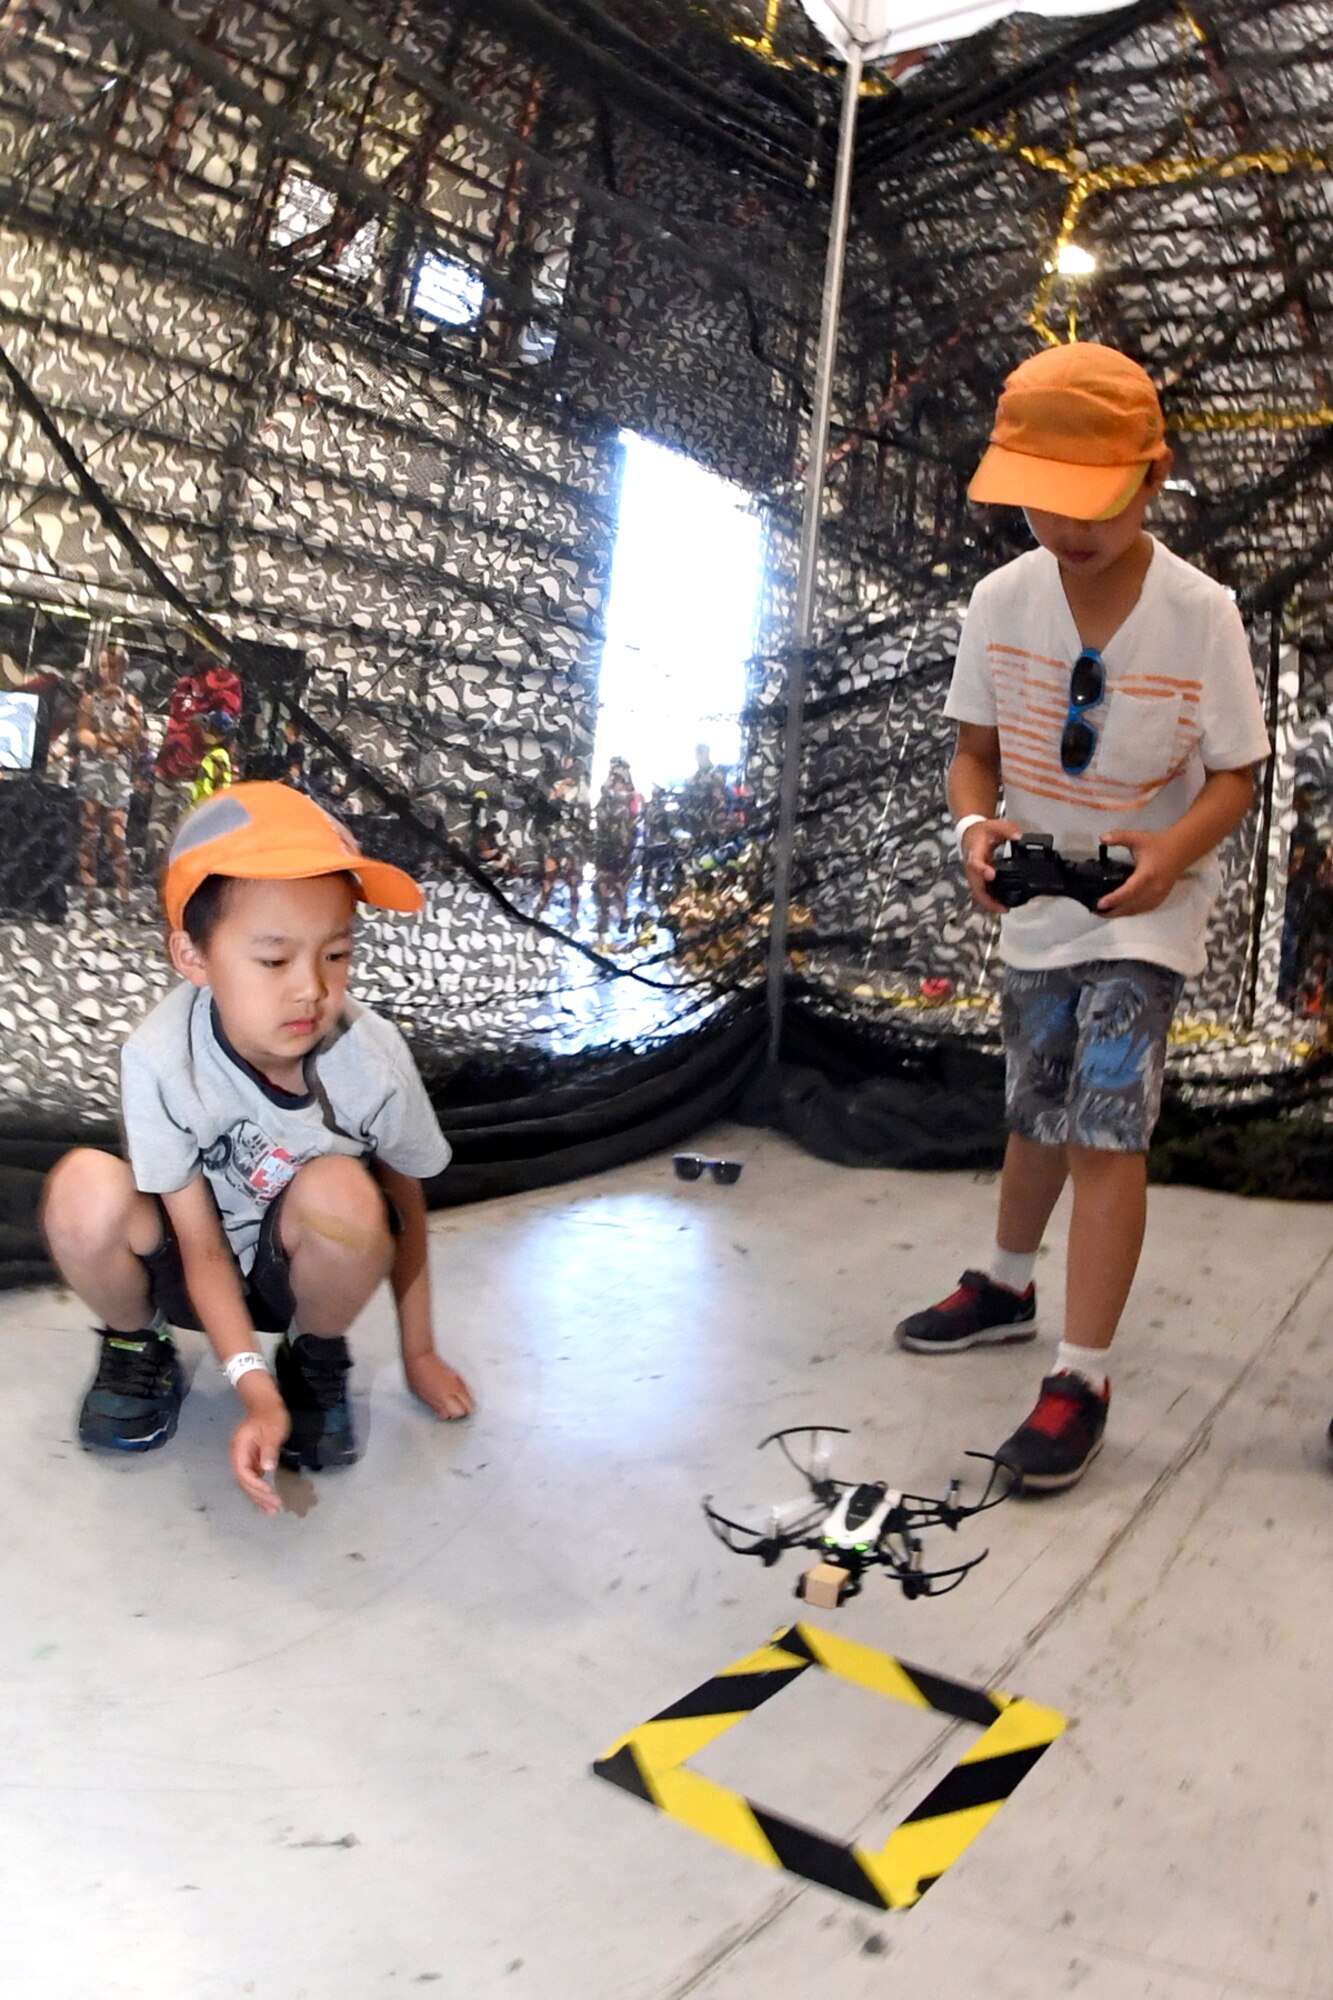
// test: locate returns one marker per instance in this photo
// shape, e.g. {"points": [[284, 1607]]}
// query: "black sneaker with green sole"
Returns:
{"points": [[312, 1375], [136, 1394]]}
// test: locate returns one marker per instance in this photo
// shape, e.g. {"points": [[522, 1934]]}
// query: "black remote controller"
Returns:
{"points": [[1033, 868], [1030, 868]]}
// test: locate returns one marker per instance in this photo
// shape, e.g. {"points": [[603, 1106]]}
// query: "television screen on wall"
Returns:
{"points": [[18, 729]]}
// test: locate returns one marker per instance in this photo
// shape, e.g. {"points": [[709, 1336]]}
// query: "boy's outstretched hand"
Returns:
{"points": [[437, 1385], [255, 1445], [1157, 869]]}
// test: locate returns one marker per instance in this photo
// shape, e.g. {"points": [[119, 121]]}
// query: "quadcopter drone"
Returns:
{"points": [[857, 1526]]}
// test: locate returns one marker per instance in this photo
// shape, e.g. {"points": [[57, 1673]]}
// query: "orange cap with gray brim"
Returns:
{"points": [[271, 833], [1076, 429]]}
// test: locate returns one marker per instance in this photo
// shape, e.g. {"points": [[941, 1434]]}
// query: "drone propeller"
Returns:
{"points": [[1002, 1476], [927, 1512], [923, 1582], [816, 1479], [768, 1546]]}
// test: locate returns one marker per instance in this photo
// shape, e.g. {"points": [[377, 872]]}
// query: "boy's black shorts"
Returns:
{"points": [[268, 1288]]}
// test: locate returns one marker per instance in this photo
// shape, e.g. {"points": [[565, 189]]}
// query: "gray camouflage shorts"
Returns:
{"points": [[1084, 1052], [105, 782]]}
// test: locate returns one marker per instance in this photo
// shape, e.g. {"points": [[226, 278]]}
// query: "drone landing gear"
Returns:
{"points": [[825, 1586]]}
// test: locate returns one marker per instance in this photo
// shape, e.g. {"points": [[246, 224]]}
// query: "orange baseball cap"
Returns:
{"points": [[1076, 429], [270, 833]]}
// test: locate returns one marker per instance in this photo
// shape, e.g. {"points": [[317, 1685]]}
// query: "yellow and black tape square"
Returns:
{"points": [[651, 1761]]}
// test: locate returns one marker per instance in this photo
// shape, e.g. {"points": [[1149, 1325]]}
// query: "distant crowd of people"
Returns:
{"points": [[117, 752], [685, 853], [136, 764], [621, 836], [138, 750]]}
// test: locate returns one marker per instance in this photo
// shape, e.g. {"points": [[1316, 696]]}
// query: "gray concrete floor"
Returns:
{"points": [[345, 1754]]}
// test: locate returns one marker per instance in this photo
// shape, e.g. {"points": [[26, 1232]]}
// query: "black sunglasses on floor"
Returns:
{"points": [[689, 1166], [1087, 687]]}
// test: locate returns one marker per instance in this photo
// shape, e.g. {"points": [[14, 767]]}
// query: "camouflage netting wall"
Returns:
{"points": [[320, 328], [396, 508]]}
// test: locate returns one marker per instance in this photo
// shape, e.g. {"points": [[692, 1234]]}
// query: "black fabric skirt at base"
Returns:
{"points": [[850, 1096], [844, 1091], [864, 1096]]}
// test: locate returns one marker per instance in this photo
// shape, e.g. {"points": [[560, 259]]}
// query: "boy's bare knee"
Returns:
{"points": [[336, 1203], [87, 1194]]}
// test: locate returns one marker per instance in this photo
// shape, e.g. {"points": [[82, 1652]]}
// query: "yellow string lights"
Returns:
{"points": [[1083, 183], [764, 44]]}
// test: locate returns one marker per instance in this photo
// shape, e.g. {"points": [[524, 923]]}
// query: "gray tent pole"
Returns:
{"points": [[807, 570]]}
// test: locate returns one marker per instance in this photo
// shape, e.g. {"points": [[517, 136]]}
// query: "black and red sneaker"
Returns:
{"points": [[979, 1313], [1059, 1441]]}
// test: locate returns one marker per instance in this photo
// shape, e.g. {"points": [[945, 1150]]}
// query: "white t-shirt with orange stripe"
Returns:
{"points": [[1181, 700]]}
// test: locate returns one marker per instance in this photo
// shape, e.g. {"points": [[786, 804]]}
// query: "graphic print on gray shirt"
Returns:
{"points": [[190, 1104]]}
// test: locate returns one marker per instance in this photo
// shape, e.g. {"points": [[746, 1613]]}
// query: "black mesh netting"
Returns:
{"points": [[321, 327]]}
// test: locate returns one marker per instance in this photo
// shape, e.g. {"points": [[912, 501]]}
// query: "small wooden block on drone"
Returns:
{"points": [[823, 1586]]}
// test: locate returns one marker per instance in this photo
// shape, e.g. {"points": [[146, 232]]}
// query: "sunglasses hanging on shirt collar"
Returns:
{"points": [[1087, 687], [689, 1166]]}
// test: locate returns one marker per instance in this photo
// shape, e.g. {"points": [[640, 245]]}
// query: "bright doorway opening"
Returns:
{"points": [[681, 617]]}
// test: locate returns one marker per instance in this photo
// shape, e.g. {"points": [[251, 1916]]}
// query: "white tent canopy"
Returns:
{"points": [[882, 28]]}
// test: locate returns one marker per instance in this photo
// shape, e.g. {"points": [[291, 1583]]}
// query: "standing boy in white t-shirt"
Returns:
{"points": [[277, 1135], [1105, 687]]}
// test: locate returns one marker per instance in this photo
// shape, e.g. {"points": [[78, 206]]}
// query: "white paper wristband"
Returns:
{"points": [[241, 1364], [968, 820]]}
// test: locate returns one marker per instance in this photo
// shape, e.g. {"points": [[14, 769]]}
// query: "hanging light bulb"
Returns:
{"points": [[1073, 261]]}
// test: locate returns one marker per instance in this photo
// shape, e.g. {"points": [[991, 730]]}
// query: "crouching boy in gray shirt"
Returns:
{"points": [[277, 1137]]}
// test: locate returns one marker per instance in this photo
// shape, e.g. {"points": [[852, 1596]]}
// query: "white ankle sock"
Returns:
{"points": [[1089, 1362], [1013, 1268]]}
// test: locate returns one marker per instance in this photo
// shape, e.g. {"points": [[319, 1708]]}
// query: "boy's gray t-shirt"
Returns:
{"points": [[191, 1104]]}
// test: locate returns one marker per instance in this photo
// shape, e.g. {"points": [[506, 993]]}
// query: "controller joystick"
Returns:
{"points": [[1088, 881]]}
